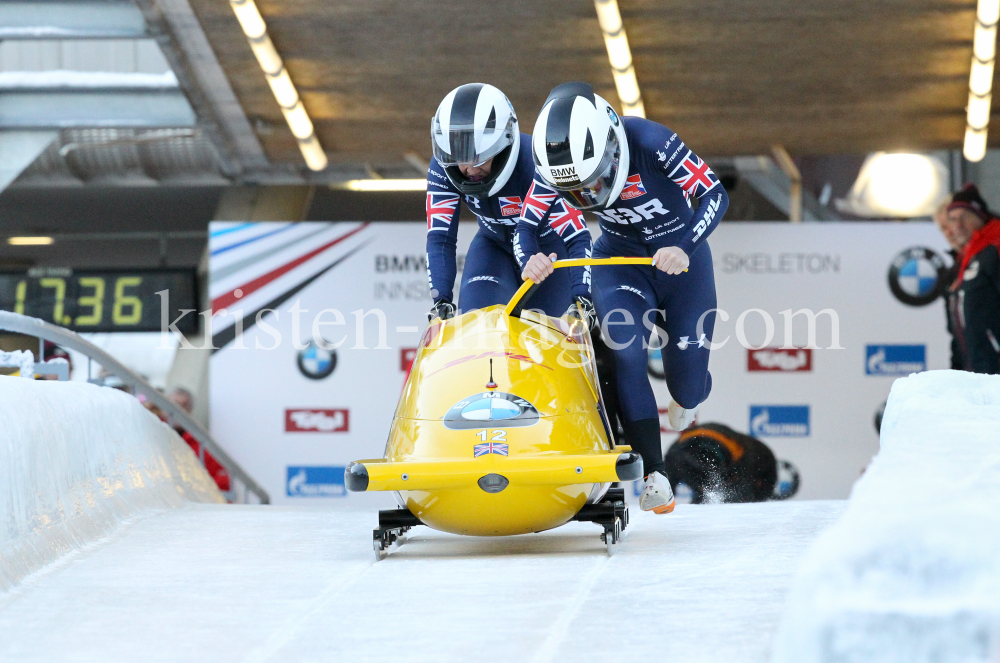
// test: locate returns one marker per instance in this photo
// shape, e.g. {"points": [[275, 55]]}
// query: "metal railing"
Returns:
{"points": [[23, 324]]}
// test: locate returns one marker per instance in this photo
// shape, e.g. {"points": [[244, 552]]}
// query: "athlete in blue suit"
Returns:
{"points": [[655, 198], [480, 156]]}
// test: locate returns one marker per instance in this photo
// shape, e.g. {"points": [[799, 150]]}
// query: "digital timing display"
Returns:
{"points": [[102, 300]]}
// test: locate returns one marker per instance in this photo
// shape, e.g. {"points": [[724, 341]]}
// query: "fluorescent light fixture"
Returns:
{"points": [[30, 241], [384, 185], [978, 111], [281, 83], [988, 11], [620, 57], [249, 17], [975, 144], [283, 89], [984, 51]]}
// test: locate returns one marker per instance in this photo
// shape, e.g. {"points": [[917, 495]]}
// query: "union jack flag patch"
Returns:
{"points": [[566, 220], [633, 188], [440, 209], [489, 448], [692, 173]]}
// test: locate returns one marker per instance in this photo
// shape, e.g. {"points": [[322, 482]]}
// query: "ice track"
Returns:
{"points": [[238, 583]]}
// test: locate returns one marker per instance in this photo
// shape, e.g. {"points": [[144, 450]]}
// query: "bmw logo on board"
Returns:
{"points": [[916, 276], [494, 409], [315, 362]]}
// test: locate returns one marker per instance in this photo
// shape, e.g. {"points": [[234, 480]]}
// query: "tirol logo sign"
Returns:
{"points": [[895, 359], [494, 409], [785, 360], [315, 482], [779, 420], [916, 275], [317, 421], [406, 357]]}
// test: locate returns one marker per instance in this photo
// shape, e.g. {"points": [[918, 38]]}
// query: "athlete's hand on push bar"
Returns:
{"points": [[539, 267], [671, 259]]}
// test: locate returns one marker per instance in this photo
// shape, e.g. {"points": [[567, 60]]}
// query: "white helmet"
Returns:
{"points": [[580, 148], [473, 124]]}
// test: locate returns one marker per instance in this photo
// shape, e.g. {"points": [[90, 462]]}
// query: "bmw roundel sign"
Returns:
{"points": [[316, 363], [491, 408], [916, 276]]}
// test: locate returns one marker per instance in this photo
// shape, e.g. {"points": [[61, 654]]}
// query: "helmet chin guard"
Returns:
{"points": [[473, 124], [580, 147]]}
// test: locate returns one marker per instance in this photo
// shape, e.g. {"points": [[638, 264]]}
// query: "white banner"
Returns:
{"points": [[294, 414]]}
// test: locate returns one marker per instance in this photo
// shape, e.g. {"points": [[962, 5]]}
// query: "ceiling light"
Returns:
{"points": [[280, 82], [384, 185], [978, 111], [30, 241], [975, 144], [298, 121], [249, 17], [898, 186], [283, 89], [620, 57], [984, 48]]}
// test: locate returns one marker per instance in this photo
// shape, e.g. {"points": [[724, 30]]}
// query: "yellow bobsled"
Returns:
{"points": [[501, 429]]}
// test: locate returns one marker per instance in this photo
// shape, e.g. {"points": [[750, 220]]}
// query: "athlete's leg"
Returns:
{"points": [[688, 299], [622, 298], [553, 297], [489, 276]]}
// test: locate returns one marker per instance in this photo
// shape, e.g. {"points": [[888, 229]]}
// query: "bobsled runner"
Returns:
{"points": [[501, 429]]}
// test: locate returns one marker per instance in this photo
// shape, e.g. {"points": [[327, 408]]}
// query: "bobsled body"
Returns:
{"points": [[499, 429]]}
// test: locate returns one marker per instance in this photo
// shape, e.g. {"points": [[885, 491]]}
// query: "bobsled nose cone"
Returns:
{"points": [[356, 477], [628, 467]]}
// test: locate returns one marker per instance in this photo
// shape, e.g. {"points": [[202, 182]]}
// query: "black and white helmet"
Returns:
{"points": [[580, 148], [473, 124]]}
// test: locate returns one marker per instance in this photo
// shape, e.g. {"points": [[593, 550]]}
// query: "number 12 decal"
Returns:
{"points": [[495, 435]]}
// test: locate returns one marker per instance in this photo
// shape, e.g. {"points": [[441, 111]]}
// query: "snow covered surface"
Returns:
{"points": [[78, 460], [911, 573], [267, 583]]}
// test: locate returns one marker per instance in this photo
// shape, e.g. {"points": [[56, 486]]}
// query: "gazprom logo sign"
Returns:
{"points": [[895, 359], [779, 420]]}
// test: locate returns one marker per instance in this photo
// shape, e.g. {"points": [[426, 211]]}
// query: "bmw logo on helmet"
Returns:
{"points": [[315, 362], [495, 409], [613, 115], [916, 276]]}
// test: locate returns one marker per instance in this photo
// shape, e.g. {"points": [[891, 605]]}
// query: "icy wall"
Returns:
{"points": [[911, 572], [75, 461]]}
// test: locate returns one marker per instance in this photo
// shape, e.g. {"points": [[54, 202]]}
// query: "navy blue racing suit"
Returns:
{"points": [[654, 210], [491, 274]]}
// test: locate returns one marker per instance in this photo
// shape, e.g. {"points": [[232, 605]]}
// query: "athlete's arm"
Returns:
{"points": [[683, 167], [443, 207], [570, 225], [533, 212]]}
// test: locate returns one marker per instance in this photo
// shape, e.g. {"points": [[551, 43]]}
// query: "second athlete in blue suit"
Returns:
{"points": [[655, 198]]}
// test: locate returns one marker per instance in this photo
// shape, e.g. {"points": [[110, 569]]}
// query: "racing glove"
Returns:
{"points": [[443, 309], [583, 309]]}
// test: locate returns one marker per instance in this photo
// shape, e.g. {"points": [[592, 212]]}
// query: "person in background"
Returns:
{"points": [[52, 351], [976, 291], [951, 234], [183, 399]]}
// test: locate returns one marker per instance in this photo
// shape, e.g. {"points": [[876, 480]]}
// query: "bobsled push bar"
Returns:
{"points": [[380, 474], [523, 294]]}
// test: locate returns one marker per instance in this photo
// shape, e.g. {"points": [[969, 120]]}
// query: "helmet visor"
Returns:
{"points": [[461, 142], [596, 191]]}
